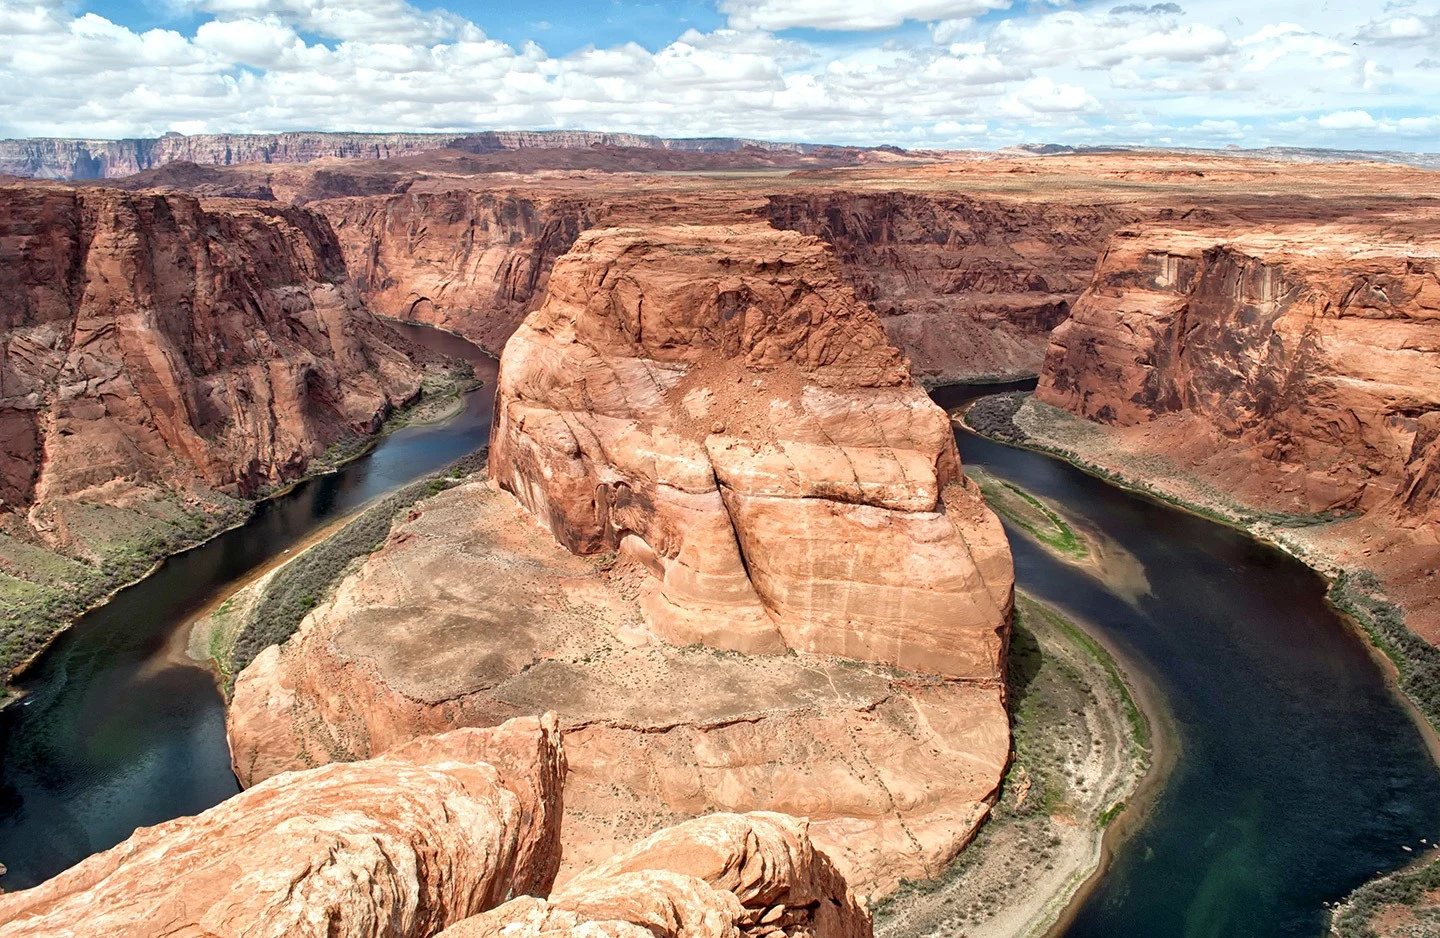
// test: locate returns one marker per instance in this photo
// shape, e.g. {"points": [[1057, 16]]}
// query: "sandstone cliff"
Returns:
{"points": [[473, 262], [715, 403], [1314, 357], [162, 356], [968, 288], [400, 847], [721, 876], [1293, 367]]}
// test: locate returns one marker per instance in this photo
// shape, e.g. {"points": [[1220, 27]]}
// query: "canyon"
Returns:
{"points": [[723, 535]]}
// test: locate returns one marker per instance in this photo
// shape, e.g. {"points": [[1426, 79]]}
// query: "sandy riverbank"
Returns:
{"points": [[1090, 745]]}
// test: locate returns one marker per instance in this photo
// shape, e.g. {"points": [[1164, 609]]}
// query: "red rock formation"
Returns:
{"points": [[721, 876], [472, 614], [715, 403], [966, 287], [1312, 355], [473, 262], [400, 846], [161, 340]]}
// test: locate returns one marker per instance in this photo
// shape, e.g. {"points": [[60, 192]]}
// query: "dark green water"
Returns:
{"points": [[1300, 774], [116, 733]]}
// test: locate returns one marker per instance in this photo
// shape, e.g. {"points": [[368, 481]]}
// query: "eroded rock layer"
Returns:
{"points": [[1312, 352], [471, 614], [715, 403], [153, 339], [721, 876], [473, 262], [968, 288], [397, 847]]}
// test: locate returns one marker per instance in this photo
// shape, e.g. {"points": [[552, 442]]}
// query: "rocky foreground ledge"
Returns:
{"points": [[438, 837]]}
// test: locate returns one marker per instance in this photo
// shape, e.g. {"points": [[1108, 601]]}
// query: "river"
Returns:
{"points": [[117, 731], [1300, 773]]}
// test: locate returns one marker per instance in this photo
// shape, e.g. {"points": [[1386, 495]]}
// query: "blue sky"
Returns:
{"points": [[918, 73]]}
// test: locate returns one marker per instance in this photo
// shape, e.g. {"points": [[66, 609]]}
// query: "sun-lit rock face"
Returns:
{"points": [[721, 876], [402, 846], [714, 402], [159, 340], [1314, 348]]}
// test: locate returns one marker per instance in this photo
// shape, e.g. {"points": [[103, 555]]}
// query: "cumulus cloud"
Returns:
{"points": [[992, 73], [849, 14]]}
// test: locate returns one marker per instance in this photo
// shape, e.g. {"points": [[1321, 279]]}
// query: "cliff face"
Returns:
{"points": [[59, 158], [157, 340], [1314, 350], [472, 262], [715, 402], [966, 287]]}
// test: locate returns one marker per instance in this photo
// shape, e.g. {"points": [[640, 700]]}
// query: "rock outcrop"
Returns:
{"points": [[471, 614], [714, 403], [721, 876], [968, 288], [470, 261], [402, 847]]}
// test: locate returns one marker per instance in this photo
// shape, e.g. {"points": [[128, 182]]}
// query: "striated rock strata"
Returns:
{"points": [[714, 403], [405, 845], [968, 288], [473, 262], [471, 614], [721, 876], [153, 339], [1295, 368]]}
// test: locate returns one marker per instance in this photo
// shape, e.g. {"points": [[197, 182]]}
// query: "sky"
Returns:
{"points": [[912, 73]]}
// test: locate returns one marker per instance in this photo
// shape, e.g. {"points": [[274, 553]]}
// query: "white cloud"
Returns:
{"points": [[849, 14], [1346, 120], [991, 74]]}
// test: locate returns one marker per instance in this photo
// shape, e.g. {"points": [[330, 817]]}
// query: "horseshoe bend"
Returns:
{"points": [[839, 541]]}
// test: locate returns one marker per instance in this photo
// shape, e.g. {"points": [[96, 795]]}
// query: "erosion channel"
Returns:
{"points": [[1299, 775]]}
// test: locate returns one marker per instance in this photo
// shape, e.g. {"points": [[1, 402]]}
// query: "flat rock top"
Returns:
{"points": [[471, 596]]}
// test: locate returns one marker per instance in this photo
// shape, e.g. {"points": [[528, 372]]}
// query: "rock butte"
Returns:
{"points": [[708, 414], [714, 403]]}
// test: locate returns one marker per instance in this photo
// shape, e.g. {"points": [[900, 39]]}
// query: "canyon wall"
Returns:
{"points": [[1311, 351], [968, 288], [471, 261], [158, 340], [59, 158]]}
